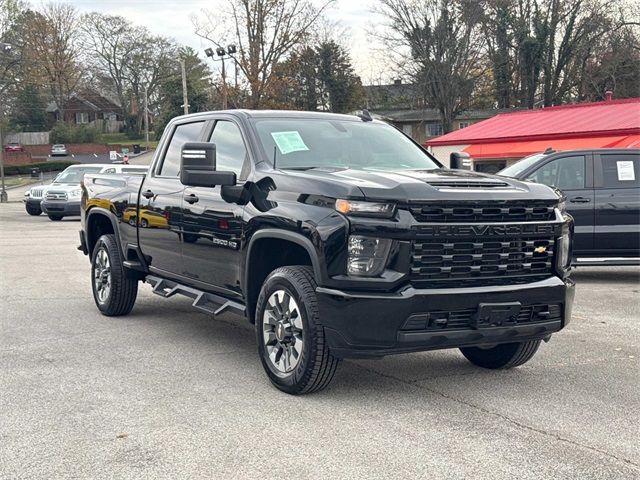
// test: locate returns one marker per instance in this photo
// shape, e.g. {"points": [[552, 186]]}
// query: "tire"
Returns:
{"points": [[55, 218], [132, 221], [311, 366], [507, 355], [35, 211], [144, 223], [114, 293], [190, 237]]}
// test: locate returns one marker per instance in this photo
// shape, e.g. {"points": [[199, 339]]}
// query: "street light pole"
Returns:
{"points": [[221, 52], [185, 101], [146, 118], [224, 86]]}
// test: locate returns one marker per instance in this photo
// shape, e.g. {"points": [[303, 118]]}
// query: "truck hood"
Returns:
{"points": [[437, 184], [62, 187]]}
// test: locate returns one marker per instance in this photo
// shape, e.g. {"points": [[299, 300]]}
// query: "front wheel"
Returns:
{"points": [[114, 293], [35, 211], [507, 355], [291, 341]]}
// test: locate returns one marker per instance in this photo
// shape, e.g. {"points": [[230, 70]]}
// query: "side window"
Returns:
{"points": [[187, 132], [566, 173], [230, 150], [110, 170], [620, 170]]}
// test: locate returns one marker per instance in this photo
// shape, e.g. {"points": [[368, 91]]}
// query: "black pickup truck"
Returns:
{"points": [[337, 236]]}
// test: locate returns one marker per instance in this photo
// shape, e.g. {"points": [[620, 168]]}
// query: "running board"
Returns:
{"points": [[203, 301]]}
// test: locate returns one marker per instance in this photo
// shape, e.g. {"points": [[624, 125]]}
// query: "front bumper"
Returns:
{"points": [[32, 202], [370, 324], [67, 209]]}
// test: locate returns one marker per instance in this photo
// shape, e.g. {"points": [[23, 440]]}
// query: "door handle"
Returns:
{"points": [[193, 198], [579, 200], [148, 194]]}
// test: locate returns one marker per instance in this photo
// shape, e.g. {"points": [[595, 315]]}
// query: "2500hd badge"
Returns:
{"points": [[345, 239]]}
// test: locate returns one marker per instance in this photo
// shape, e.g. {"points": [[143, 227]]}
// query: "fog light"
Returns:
{"points": [[367, 255]]}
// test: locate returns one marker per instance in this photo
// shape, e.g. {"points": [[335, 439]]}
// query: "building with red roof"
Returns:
{"points": [[508, 137]]}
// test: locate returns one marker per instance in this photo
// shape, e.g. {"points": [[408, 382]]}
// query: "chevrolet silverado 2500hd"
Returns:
{"points": [[337, 236]]}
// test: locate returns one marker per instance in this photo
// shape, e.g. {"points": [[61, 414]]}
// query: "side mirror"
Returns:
{"points": [[460, 161], [198, 166]]}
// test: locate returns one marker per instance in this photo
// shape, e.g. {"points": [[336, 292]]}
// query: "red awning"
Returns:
{"points": [[524, 148]]}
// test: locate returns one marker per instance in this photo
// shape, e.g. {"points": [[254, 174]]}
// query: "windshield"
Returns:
{"points": [[74, 175], [520, 166], [309, 143]]}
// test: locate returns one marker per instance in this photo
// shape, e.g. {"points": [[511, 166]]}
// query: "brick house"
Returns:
{"points": [[91, 109]]}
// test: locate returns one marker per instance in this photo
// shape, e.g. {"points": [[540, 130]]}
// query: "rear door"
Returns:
{"points": [[573, 174], [617, 203]]}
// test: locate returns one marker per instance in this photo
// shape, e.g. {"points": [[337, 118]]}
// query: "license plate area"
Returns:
{"points": [[495, 315]]}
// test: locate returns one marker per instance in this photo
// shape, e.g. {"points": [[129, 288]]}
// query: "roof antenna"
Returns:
{"points": [[275, 147], [365, 116]]}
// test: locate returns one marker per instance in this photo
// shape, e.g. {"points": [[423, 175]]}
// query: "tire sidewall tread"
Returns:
{"points": [[317, 366], [124, 290]]}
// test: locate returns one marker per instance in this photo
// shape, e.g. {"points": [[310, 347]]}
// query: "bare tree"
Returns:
{"points": [[440, 47], [265, 32], [52, 50], [110, 43]]}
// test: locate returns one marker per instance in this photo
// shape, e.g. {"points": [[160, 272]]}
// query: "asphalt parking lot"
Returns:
{"points": [[167, 392]]}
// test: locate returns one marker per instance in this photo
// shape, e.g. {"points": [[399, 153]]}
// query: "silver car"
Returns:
{"points": [[59, 150]]}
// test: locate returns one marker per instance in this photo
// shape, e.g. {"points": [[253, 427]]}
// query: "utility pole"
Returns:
{"points": [[3, 193], [184, 88], [146, 118]]}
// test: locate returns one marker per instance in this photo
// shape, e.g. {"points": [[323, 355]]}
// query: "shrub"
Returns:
{"points": [[63, 133]]}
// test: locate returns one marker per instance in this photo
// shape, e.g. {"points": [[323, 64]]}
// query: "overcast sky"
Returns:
{"points": [[172, 18]]}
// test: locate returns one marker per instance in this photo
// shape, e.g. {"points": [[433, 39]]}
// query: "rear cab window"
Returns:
{"points": [[620, 170]]}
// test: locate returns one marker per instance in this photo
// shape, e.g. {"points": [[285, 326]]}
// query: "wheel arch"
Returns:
{"points": [[100, 222], [285, 248]]}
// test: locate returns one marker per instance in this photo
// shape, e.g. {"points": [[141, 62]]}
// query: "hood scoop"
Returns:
{"points": [[468, 184]]}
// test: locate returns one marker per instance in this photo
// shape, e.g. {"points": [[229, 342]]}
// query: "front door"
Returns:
{"points": [[617, 203], [573, 175], [212, 227], [159, 214]]}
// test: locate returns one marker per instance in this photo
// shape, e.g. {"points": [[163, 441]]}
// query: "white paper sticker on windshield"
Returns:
{"points": [[625, 171], [289, 142]]}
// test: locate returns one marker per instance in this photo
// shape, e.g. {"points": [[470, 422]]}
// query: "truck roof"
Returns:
{"points": [[276, 114]]}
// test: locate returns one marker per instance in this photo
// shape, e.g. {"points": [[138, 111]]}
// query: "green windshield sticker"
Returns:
{"points": [[289, 142]]}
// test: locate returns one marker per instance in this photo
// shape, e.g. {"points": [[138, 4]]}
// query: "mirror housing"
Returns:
{"points": [[198, 166], [460, 161]]}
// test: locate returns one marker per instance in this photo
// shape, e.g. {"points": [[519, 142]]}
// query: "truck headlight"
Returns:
{"points": [[75, 193], [367, 255], [367, 209], [564, 248]]}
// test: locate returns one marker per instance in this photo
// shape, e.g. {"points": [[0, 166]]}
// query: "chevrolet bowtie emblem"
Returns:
{"points": [[540, 249]]}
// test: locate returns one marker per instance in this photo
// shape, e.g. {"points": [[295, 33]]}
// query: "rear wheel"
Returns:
{"points": [[291, 342], [507, 355], [55, 218], [114, 293], [35, 211]]}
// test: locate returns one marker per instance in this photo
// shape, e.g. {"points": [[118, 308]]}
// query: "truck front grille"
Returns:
{"points": [[437, 262], [484, 212], [53, 196], [36, 192]]}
